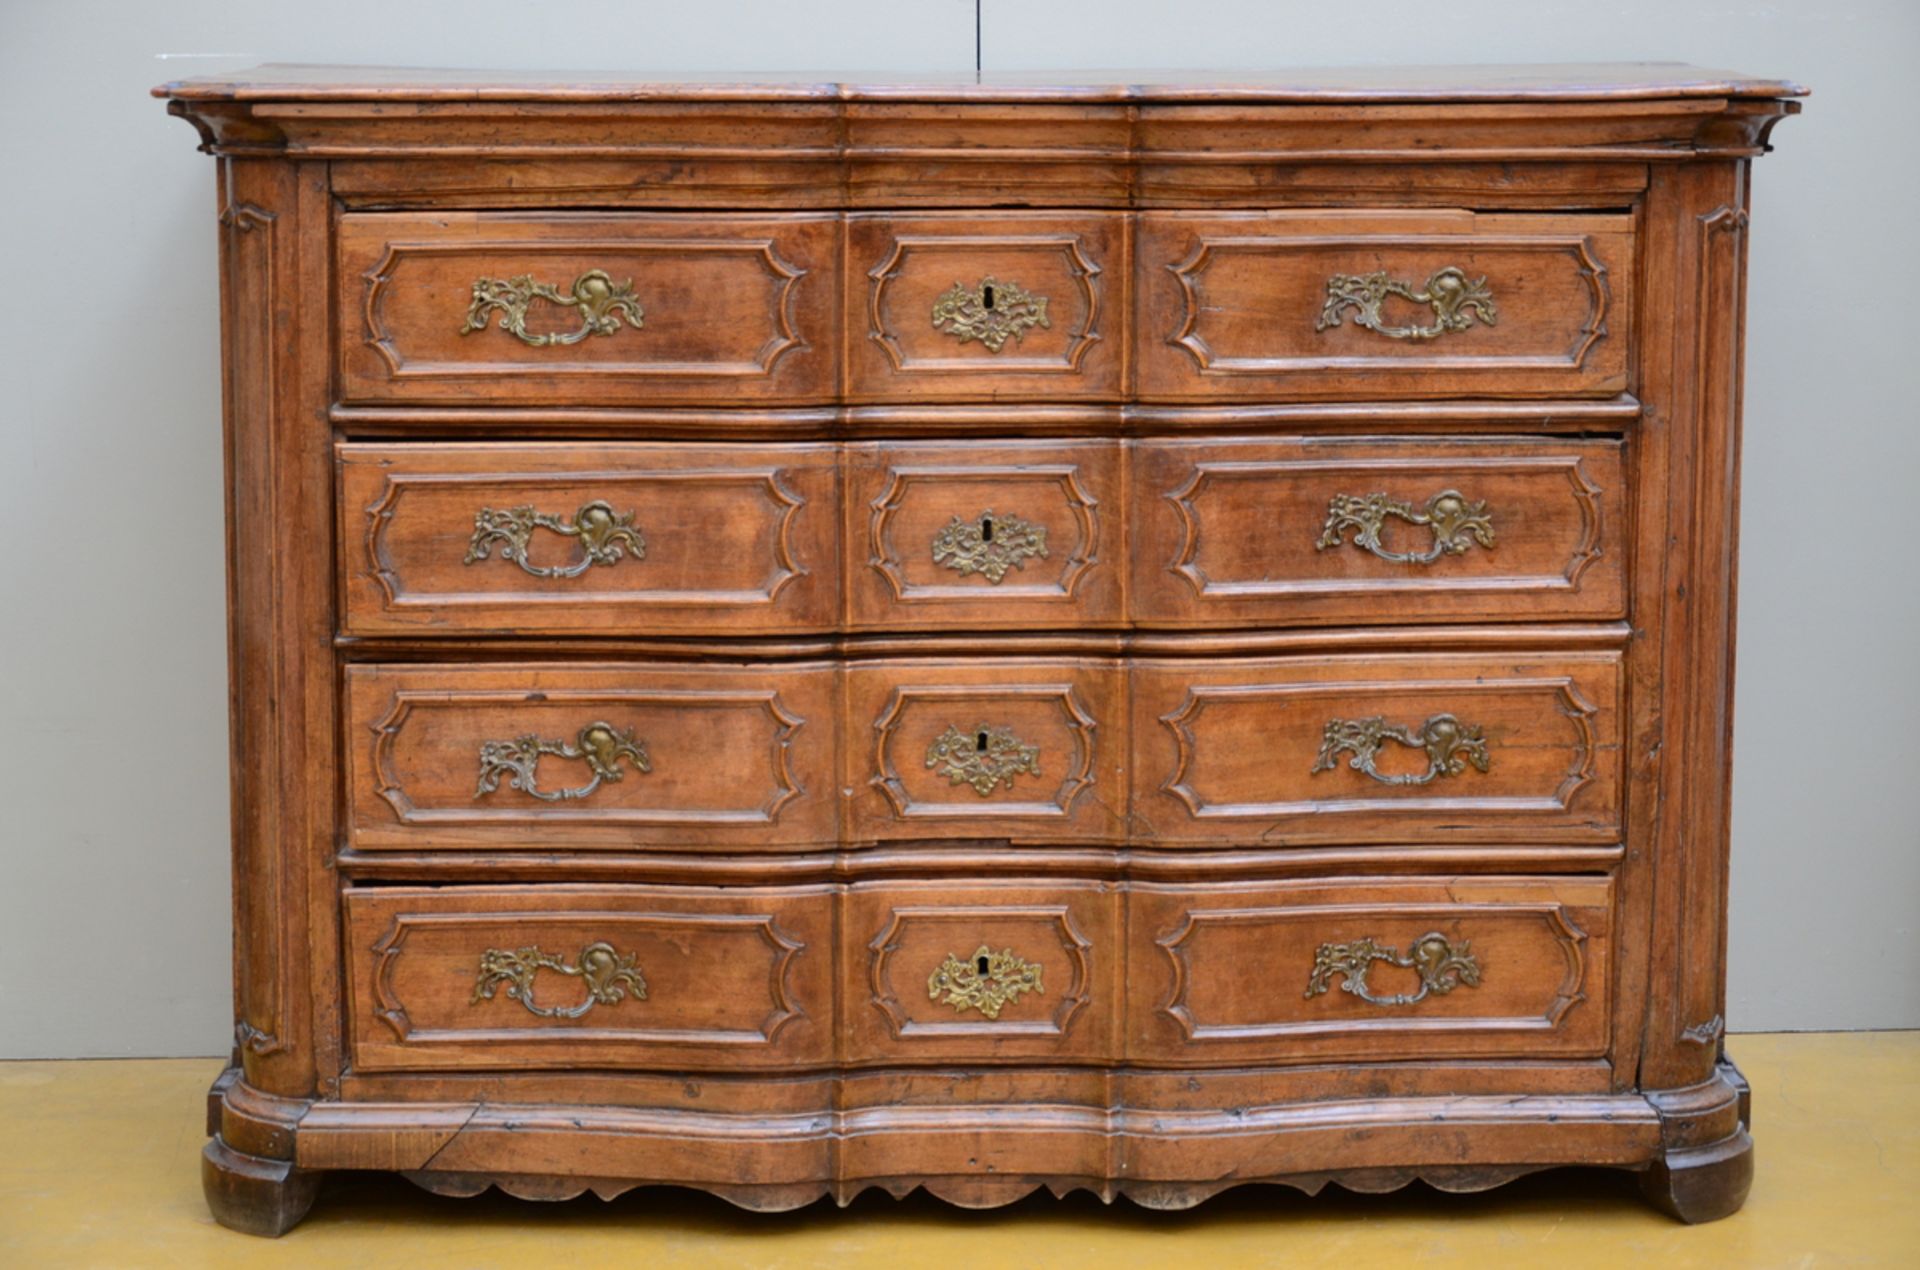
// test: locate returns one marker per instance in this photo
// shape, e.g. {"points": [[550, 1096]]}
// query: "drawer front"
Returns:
{"points": [[986, 748], [986, 306], [1283, 532], [1370, 971], [557, 538], [1413, 304], [586, 310], [980, 971], [958, 537], [609, 976], [534, 756], [1390, 748]]}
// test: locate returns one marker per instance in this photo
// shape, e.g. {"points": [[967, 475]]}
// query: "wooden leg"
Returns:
{"points": [[252, 1195], [1701, 1184]]}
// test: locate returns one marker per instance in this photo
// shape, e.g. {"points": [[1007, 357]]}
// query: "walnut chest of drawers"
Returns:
{"points": [[795, 637]]}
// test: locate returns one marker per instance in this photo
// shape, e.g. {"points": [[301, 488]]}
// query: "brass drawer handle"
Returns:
{"points": [[609, 977], [599, 744], [986, 981], [984, 758], [605, 537], [1441, 964], [1455, 300], [1449, 743], [602, 303], [1456, 524], [992, 312], [988, 545]]}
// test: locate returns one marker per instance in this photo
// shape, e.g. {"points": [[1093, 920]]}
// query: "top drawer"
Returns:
{"points": [[553, 308], [1384, 304]]}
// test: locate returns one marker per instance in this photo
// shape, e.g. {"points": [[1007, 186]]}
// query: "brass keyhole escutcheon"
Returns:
{"points": [[989, 545], [987, 982], [991, 311]]}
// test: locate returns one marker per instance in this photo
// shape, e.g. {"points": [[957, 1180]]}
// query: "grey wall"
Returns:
{"points": [[113, 801]]}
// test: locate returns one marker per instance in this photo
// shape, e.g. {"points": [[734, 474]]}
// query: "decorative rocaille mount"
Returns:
{"points": [[602, 302], [1456, 524], [1441, 964], [1450, 745], [989, 545], [609, 977], [606, 537], [986, 981], [992, 312], [985, 758], [1455, 300], [601, 745]]}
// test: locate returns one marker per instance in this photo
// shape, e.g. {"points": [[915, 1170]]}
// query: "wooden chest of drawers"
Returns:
{"points": [[791, 637]]}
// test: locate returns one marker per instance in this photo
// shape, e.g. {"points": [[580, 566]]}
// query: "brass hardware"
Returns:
{"points": [[600, 744], [989, 545], [983, 758], [609, 978], [601, 301], [992, 313], [1449, 743], [1455, 300], [1456, 524], [985, 982], [1441, 964], [605, 537]]}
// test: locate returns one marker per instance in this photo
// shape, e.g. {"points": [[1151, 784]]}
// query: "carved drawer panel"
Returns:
{"points": [[986, 748], [961, 536], [986, 305], [980, 970], [1378, 748], [1384, 304], [604, 976], [586, 310], [562, 538], [1370, 971], [1244, 532], [533, 756]]}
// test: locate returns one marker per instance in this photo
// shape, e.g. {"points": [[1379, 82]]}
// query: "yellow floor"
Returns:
{"points": [[99, 1166]]}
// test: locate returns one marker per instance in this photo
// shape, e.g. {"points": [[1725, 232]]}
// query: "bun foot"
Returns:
{"points": [[1702, 1184], [252, 1195]]}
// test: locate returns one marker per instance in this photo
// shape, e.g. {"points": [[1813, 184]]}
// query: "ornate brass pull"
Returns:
{"points": [[605, 537], [1456, 524], [1456, 301], [1441, 964], [983, 758], [1449, 743], [986, 981], [992, 313], [602, 303], [600, 744], [988, 545], [609, 977]]}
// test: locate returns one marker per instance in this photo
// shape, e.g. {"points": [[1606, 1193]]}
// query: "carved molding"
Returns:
{"points": [[1190, 271], [1200, 697], [972, 700], [966, 919], [642, 1028], [387, 781], [784, 502], [1206, 473], [885, 559], [783, 338], [1334, 919], [1080, 267]]}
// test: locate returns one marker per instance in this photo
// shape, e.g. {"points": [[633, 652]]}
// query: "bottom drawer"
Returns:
{"points": [[603, 976], [1363, 971]]}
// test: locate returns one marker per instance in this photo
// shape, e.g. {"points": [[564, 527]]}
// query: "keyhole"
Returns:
{"points": [[986, 296], [980, 965], [980, 742], [986, 529]]}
